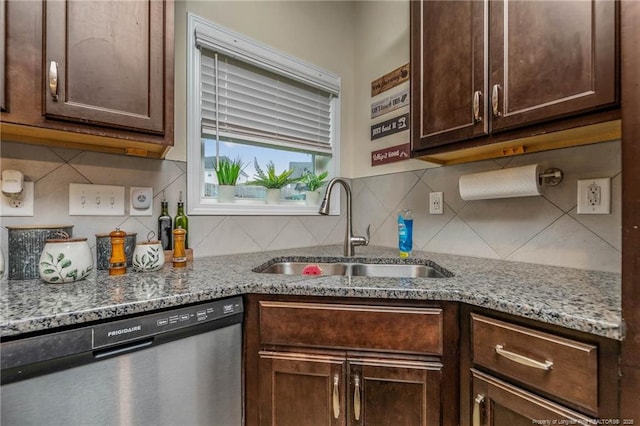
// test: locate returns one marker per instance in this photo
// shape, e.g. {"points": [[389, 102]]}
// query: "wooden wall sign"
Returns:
{"points": [[391, 154], [390, 103], [392, 79], [389, 127]]}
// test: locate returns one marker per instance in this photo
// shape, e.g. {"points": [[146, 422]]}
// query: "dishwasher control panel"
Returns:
{"points": [[146, 326]]}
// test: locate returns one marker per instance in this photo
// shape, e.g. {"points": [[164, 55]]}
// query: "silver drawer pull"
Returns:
{"points": [[494, 100], [476, 106], [336, 397], [521, 359], [356, 399], [476, 409], [53, 80]]}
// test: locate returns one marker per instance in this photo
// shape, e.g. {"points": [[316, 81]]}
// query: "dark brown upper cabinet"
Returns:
{"points": [[448, 72], [101, 64], [482, 68], [95, 75], [3, 34]]}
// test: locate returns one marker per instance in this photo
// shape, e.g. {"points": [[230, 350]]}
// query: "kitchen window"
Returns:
{"points": [[249, 102]]}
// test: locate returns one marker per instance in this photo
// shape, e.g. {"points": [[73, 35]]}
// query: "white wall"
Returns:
{"points": [[381, 35]]}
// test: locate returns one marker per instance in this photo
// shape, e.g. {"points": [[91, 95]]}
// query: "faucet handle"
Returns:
{"points": [[360, 241]]}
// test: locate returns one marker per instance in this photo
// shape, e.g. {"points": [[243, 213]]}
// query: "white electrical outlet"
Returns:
{"points": [[436, 203], [96, 200], [594, 196], [18, 207]]}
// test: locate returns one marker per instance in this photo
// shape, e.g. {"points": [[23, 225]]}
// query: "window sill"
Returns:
{"points": [[257, 208]]}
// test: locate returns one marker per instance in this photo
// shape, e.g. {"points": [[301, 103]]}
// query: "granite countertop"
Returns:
{"points": [[588, 301]]}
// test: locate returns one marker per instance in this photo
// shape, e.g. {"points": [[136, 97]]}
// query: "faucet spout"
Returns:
{"points": [[350, 241]]}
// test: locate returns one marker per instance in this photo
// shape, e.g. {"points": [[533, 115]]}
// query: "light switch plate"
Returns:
{"points": [[96, 200]]}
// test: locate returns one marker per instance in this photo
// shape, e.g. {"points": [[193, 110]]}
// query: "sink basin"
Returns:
{"points": [[360, 268]]}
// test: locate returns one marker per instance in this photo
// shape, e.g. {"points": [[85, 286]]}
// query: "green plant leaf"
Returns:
{"points": [[54, 279], [60, 257], [48, 271], [314, 182], [73, 274], [45, 264], [65, 264], [272, 180], [228, 171]]}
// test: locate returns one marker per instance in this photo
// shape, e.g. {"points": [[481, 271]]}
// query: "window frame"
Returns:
{"points": [[233, 44]]}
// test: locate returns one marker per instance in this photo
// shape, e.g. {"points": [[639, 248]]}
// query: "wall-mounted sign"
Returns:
{"points": [[391, 154], [392, 79], [390, 103], [389, 127]]}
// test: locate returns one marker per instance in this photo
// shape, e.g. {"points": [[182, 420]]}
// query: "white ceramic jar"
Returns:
{"points": [[65, 260], [148, 256]]}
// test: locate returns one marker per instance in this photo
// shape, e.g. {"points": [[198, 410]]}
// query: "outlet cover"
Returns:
{"points": [[594, 196], [24, 207], [436, 203]]}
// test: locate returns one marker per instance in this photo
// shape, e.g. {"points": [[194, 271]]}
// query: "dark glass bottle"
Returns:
{"points": [[182, 221], [165, 229]]}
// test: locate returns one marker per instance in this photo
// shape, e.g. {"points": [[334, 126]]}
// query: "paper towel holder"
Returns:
{"points": [[551, 177]]}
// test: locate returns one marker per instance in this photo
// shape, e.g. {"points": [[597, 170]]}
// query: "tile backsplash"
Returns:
{"points": [[543, 229]]}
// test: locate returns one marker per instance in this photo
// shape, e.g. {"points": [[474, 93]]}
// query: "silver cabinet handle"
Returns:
{"points": [[476, 105], [356, 398], [336, 397], [521, 359], [476, 409], [53, 80], [494, 100]]}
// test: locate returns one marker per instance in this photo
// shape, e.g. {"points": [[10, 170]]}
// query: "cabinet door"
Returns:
{"points": [[301, 389], [498, 403], [448, 71], [390, 392], [104, 62], [550, 59], [3, 52]]}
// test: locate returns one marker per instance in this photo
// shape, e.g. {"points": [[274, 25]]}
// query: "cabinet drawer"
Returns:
{"points": [[565, 368], [380, 328]]}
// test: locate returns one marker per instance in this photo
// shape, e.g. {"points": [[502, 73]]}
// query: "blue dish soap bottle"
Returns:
{"points": [[405, 232]]}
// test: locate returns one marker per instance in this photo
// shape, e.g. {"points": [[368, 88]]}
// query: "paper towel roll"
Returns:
{"points": [[506, 183]]}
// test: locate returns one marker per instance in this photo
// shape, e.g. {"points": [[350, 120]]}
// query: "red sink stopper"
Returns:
{"points": [[312, 270]]}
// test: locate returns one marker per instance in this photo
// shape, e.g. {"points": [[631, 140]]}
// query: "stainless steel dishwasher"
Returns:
{"points": [[176, 367]]}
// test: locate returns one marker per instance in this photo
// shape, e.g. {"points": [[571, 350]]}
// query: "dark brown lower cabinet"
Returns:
{"points": [[340, 389], [498, 403]]}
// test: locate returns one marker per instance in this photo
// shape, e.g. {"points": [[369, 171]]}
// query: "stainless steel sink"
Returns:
{"points": [[355, 268]]}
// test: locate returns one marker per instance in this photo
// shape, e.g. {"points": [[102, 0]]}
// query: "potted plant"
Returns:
{"points": [[228, 171], [272, 181], [313, 183]]}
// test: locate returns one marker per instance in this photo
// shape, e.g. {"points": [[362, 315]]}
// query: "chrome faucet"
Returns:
{"points": [[350, 241]]}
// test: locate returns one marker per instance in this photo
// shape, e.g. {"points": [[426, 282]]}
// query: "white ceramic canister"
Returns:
{"points": [[65, 260], [148, 256]]}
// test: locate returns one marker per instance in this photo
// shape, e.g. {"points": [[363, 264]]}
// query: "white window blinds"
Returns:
{"points": [[243, 102]]}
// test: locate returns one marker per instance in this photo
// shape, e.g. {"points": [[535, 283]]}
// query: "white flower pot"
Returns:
{"points": [[312, 198], [148, 256], [65, 260], [226, 193], [273, 195]]}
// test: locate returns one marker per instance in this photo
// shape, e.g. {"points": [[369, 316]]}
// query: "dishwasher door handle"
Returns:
{"points": [[122, 349]]}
